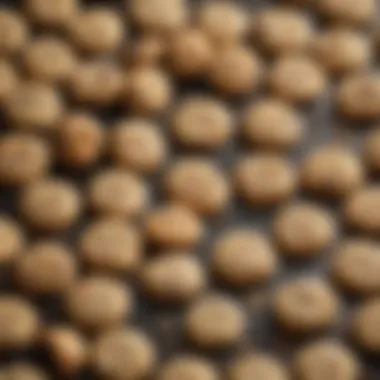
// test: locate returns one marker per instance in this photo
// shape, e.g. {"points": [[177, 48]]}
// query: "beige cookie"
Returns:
{"points": [[12, 238], [371, 150], [243, 257], [306, 305], [14, 32], [8, 79], [111, 245], [303, 230]]}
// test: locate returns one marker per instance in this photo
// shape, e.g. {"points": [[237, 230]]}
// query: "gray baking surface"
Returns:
{"points": [[163, 324]]}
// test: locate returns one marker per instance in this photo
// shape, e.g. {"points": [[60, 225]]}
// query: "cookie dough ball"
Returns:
{"points": [[13, 32], [173, 225], [342, 50], [202, 122], [365, 322], [158, 16], [225, 22], [188, 367], [283, 30], [265, 179], [98, 303], [148, 50], [332, 170], [124, 351], [49, 59], [51, 204], [348, 11], [148, 90], [97, 83], [361, 210], [19, 323], [80, 140], [356, 266], [371, 150], [67, 348], [297, 79], [190, 53], [243, 257], [12, 240], [54, 13], [257, 366], [209, 196], [8, 79], [272, 124], [306, 305], [98, 30], [22, 371], [173, 277], [303, 230], [235, 70], [46, 267], [34, 107], [117, 192], [215, 321], [358, 96], [23, 159], [138, 145], [326, 359], [111, 245]]}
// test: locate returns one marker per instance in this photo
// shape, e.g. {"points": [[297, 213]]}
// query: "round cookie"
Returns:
{"points": [[148, 90], [173, 225], [283, 30], [215, 321], [173, 277], [46, 267], [49, 59], [360, 209], [80, 140], [272, 124], [97, 83], [358, 96], [138, 145], [342, 50], [24, 159], [265, 179], [364, 326], [303, 230], [19, 322], [111, 245], [326, 359], [50, 204], [297, 79], [188, 367], [235, 70], [148, 50], [306, 305], [158, 16], [12, 238], [67, 348], [124, 350], [211, 194], [225, 22], [243, 257], [332, 170], [34, 107], [97, 30], [117, 192], [189, 53], [202, 122], [257, 366], [98, 303], [54, 13], [356, 266], [14, 32]]}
